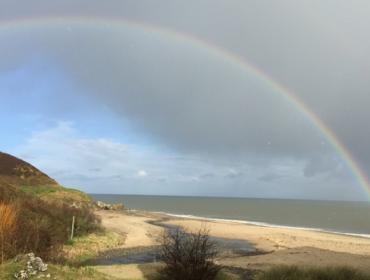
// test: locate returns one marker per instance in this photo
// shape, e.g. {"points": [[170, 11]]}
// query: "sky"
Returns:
{"points": [[151, 97]]}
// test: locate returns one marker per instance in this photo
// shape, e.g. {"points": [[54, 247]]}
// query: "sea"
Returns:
{"points": [[342, 217]]}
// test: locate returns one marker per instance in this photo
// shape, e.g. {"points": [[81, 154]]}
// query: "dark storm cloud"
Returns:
{"points": [[197, 103]]}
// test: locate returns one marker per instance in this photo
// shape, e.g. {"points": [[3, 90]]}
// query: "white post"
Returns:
{"points": [[73, 227]]}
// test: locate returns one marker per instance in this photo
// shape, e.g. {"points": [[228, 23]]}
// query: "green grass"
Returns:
{"points": [[295, 273], [39, 190], [89, 246], [55, 192], [81, 194], [8, 269], [81, 249]]}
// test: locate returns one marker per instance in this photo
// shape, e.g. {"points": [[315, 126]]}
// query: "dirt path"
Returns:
{"points": [[138, 231]]}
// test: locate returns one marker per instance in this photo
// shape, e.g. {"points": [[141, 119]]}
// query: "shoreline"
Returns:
{"points": [[255, 223]]}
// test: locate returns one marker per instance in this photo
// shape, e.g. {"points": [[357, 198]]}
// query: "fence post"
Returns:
{"points": [[73, 227]]}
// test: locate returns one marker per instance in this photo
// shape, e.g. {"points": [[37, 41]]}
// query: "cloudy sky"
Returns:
{"points": [[151, 97]]}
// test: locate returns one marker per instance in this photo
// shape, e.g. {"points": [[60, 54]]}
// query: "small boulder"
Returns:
{"points": [[34, 265], [106, 206]]}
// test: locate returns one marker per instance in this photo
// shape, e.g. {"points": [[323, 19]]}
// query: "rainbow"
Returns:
{"points": [[222, 53]]}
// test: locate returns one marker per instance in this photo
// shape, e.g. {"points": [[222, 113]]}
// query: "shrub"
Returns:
{"points": [[43, 227], [8, 219], [188, 256], [328, 273]]}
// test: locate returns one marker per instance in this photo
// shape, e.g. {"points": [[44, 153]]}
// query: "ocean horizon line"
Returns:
{"points": [[234, 197]]}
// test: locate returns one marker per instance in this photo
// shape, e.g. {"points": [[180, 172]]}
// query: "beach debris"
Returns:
{"points": [[106, 206], [34, 266]]}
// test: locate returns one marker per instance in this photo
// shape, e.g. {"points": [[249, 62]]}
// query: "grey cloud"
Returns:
{"points": [[200, 104], [270, 177], [162, 180], [233, 174], [169, 175], [321, 164], [206, 176], [175, 92], [95, 169]]}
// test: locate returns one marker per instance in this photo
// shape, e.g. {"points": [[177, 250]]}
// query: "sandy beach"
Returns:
{"points": [[274, 246]]}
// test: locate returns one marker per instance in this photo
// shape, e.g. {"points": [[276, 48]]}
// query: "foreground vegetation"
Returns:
{"points": [[39, 226], [296, 273], [88, 247], [9, 268], [36, 213], [188, 256]]}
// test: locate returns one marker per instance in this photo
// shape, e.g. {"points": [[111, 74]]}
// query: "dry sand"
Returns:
{"points": [[273, 239], [280, 245], [285, 246]]}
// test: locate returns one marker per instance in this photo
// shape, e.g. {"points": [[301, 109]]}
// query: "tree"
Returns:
{"points": [[188, 256]]}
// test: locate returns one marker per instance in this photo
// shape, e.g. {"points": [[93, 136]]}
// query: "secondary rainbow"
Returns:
{"points": [[218, 51]]}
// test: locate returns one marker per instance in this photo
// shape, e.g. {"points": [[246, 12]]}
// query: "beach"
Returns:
{"points": [[271, 245]]}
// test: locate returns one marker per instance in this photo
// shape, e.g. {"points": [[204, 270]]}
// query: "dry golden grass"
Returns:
{"points": [[8, 220]]}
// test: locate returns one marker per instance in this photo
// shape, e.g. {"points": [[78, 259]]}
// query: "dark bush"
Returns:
{"points": [[188, 256]]}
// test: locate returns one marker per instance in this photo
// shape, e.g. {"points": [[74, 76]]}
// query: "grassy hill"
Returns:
{"points": [[17, 175], [38, 211], [20, 173]]}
